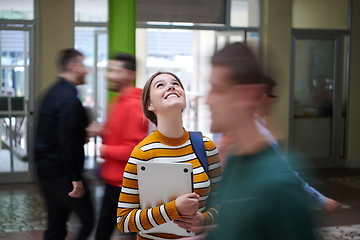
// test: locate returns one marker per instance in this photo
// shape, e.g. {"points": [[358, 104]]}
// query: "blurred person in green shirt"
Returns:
{"points": [[260, 197]]}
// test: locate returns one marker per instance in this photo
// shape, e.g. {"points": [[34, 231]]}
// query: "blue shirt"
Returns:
{"points": [[261, 126]]}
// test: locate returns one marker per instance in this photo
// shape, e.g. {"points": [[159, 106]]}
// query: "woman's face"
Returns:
{"points": [[166, 92]]}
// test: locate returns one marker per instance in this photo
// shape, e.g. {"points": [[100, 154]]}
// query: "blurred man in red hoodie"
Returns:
{"points": [[125, 127]]}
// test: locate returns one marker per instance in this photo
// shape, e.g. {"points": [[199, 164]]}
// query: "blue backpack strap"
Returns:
{"points": [[197, 143]]}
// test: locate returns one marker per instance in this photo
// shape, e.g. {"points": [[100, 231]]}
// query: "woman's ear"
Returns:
{"points": [[150, 107]]}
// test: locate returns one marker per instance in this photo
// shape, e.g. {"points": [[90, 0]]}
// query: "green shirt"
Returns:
{"points": [[261, 198]]}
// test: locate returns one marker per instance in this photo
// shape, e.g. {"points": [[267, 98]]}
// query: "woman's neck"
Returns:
{"points": [[170, 126]]}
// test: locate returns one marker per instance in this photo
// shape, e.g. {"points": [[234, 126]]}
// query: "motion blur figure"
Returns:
{"points": [[125, 127], [59, 150], [260, 197], [262, 111]]}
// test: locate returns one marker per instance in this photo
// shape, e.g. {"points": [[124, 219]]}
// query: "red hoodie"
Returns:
{"points": [[126, 126]]}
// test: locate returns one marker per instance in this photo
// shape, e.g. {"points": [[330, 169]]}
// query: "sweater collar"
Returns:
{"points": [[171, 141]]}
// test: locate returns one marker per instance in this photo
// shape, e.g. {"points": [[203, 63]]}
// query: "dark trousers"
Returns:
{"points": [[59, 206], [108, 212]]}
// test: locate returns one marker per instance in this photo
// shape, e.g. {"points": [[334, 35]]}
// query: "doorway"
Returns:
{"points": [[16, 104], [318, 101]]}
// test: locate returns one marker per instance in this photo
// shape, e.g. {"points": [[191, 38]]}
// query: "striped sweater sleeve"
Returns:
{"points": [[130, 217], [215, 174]]}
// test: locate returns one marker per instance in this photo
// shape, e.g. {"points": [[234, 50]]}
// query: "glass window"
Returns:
{"points": [[313, 96], [95, 61], [185, 53], [244, 13], [221, 42], [14, 47], [91, 10], [251, 39], [170, 50], [14, 95], [228, 37], [314, 77], [92, 42], [84, 42], [253, 42], [236, 38], [17, 9]]}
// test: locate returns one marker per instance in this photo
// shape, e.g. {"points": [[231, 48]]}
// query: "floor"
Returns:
{"points": [[343, 186], [23, 217]]}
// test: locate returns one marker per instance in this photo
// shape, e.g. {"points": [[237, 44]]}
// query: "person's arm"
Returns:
{"points": [[130, 218], [317, 196], [327, 204], [135, 129], [94, 129], [67, 117]]}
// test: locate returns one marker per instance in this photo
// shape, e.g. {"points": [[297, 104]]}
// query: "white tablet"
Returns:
{"points": [[160, 183]]}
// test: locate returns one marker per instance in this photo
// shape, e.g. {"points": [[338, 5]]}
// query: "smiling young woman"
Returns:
{"points": [[163, 101]]}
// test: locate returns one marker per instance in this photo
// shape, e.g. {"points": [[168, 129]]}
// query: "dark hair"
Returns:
{"points": [[242, 63], [128, 59], [146, 95], [67, 56], [270, 83]]}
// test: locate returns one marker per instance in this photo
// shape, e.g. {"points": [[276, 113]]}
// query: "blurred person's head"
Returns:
{"points": [[268, 98], [163, 94], [71, 66], [236, 87], [121, 71]]}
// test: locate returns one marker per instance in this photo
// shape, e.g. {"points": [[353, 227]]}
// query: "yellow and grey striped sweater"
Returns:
{"points": [[157, 147]]}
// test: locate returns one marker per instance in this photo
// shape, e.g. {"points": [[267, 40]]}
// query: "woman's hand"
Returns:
{"points": [[194, 223], [187, 204]]}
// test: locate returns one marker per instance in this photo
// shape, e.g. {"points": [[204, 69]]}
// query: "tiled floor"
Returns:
{"points": [[343, 186], [23, 217]]}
